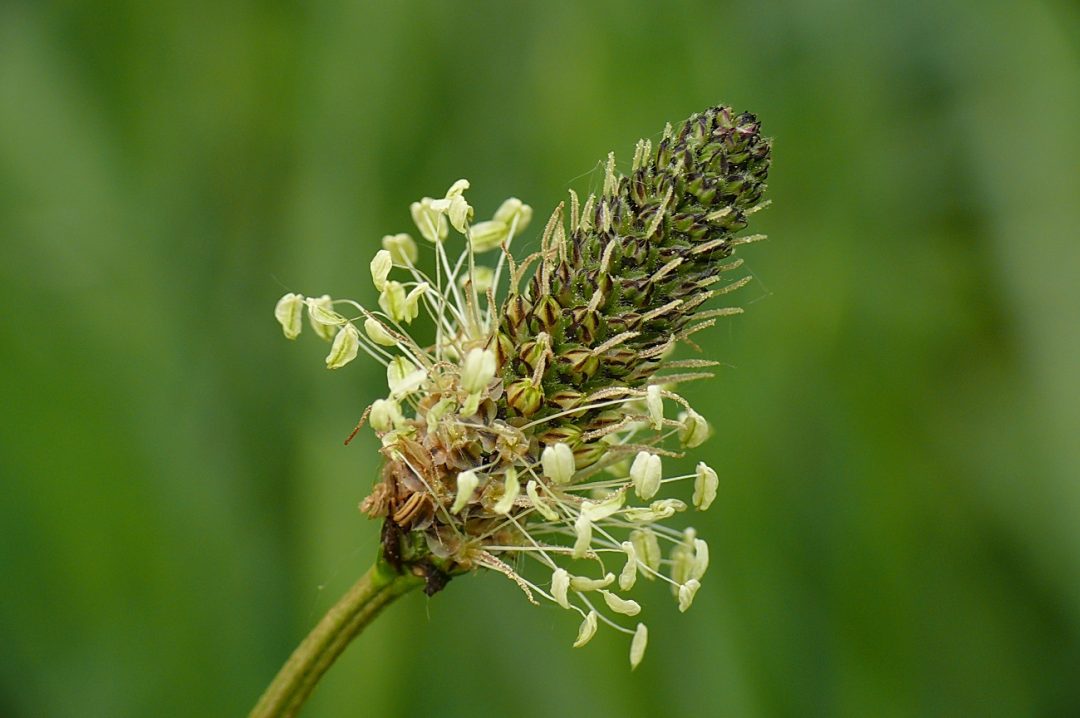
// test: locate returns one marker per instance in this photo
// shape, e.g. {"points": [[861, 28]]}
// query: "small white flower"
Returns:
{"points": [[645, 472], [344, 348], [558, 463], [288, 312]]}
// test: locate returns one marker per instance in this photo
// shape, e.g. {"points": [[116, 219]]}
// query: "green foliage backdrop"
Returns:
{"points": [[898, 526]]}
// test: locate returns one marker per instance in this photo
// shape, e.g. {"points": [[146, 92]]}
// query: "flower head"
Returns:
{"points": [[534, 425]]}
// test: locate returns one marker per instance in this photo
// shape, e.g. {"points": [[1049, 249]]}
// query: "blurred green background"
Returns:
{"points": [[898, 429]]}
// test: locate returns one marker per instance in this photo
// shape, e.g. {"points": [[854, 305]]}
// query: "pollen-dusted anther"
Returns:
{"points": [[538, 503], [467, 481], [584, 583], [625, 606], [701, 558], [380, 268], [288, 312], [560, 585], [645, 472], [583, 534], [403, 377], [558, 463], [647, 546], [705, 484], [655, 404], [597, 511], [587, 630], [486, 236], [385, 415], [430, 222], [638, 644], [319, 307], [377, 333], [345, 346], [402, 249], [687, 591], [511, 489], [694, 430], [477, 370], [392, 300], [628, 575], [514, 213]]}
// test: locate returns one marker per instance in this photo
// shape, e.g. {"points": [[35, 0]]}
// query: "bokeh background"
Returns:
{"points": [[898, 424]]}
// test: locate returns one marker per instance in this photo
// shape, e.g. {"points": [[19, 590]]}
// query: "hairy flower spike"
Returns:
{"points": [[527, 424]]}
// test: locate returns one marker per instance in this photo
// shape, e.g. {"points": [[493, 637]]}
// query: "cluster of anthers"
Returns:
{"points": [[532, 428]]}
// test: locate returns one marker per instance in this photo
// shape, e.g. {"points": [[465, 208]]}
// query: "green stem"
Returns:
{"points": [[313, 657]]}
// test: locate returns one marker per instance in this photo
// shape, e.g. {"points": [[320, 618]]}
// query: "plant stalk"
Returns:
{"points": [[291, 687]]}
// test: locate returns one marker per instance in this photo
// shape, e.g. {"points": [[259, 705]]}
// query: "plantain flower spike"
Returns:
{"points": [[524, 433]]}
